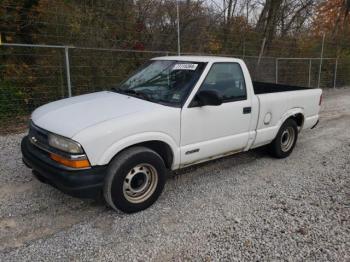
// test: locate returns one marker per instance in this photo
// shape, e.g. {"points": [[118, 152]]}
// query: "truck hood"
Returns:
{"points": [[69, 116]]}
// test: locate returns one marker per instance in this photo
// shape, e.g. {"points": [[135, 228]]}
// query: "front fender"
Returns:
{"points": [[117, 147]]}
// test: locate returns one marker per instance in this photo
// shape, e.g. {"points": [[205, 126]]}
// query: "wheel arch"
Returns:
{"points": [[299, 119], [296, 114], [162, 148], [164, 145]]}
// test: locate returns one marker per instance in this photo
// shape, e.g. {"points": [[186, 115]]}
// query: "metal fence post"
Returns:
{"points": [[335, 73], [61, 77], [69, 84], [178, 28], [243, 57], [276, 64], [321, 60], [310, 68]]}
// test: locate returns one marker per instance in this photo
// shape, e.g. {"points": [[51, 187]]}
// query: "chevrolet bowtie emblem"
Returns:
{"points": [[33, 139]]}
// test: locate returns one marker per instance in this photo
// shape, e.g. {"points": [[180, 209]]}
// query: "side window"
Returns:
{"points": [[228, 80]]}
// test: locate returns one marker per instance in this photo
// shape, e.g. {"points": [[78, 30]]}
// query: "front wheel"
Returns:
{"points": [[135, 180], [284, 143]]}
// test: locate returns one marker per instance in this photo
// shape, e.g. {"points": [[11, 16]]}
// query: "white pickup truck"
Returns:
{"points": [[173, 112]]}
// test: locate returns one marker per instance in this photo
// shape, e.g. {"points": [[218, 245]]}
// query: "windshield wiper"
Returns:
{"points": [[132, 92]]}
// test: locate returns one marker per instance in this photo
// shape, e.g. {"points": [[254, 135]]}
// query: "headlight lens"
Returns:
{"points": [[65, 144]]}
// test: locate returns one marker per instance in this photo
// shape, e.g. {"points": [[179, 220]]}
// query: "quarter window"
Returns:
{"points": [[228, 80]]}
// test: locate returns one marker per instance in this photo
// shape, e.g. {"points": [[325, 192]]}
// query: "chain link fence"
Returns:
{"points": [[33, 75]]}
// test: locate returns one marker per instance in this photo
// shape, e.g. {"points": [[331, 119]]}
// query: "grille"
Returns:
{"points": [[38, 136]]}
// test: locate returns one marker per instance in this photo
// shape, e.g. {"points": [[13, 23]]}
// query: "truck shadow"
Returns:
{"points": [[191, 173], [226, 162]]}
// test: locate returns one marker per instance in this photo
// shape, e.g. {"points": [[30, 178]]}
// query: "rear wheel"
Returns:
{"points": [[284, 143], [135, 179]]}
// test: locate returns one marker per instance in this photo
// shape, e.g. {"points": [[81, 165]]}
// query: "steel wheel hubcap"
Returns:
{"points": [[287, 139], [140, 183]]}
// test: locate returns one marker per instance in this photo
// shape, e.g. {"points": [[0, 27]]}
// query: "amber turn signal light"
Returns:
{"points": [[80, 163]]}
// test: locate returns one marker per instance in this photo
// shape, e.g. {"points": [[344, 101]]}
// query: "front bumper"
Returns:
{"points": [[86, 183]]}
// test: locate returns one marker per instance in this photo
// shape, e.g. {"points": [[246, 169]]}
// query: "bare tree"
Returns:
{"points": [[268, 20]]}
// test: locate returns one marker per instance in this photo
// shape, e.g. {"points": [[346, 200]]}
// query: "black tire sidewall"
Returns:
{"points": [[276, 146], [120, 168]]}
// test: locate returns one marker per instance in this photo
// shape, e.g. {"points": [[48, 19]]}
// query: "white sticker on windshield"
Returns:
{"points": [[185, 67]]}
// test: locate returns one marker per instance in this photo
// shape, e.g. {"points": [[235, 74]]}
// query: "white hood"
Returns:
{"points": [[69, 116]]}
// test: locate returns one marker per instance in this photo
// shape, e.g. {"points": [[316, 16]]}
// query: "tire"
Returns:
{"points": [[284, 143], [135, 179]]}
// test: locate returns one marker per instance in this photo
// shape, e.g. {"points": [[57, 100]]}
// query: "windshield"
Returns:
{"points": [[163, 81]]}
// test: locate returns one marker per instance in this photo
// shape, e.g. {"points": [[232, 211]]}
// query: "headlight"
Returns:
{"points": [[65, 144]]}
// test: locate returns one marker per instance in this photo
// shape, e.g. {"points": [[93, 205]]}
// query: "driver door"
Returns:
{"points": [[212, 131]]}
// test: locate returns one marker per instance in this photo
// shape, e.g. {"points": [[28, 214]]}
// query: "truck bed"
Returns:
{"points": [[264, 88]]}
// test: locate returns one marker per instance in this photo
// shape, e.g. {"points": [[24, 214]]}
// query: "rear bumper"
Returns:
{"points": [[310, 122], [85, 183]]}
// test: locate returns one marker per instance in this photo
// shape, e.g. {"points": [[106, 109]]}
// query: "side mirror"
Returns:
{"points": [[206, 98]]}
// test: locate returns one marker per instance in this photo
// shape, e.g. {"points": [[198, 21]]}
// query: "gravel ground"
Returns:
{"points": [[248, 207]]}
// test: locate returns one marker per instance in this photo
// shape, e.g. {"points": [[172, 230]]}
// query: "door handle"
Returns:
{"points": [[247, 110]]}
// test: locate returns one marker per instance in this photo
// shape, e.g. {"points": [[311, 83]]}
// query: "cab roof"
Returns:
{"points": [[204, 59]]}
